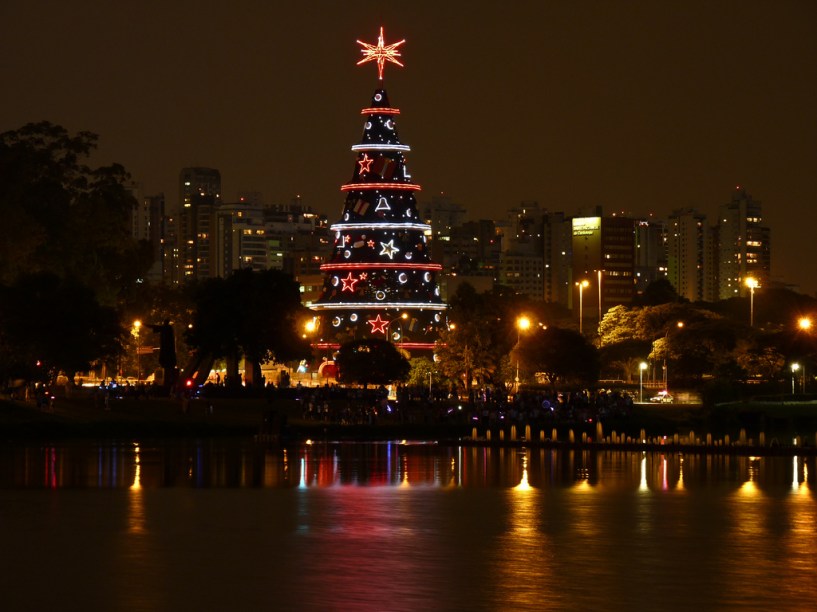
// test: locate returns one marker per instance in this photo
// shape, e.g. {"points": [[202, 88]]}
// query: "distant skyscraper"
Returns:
{"points": [[743, 245], [603, 255], [239, 240], [650, 253], [149, 225], [522, 264], [691, 261], [199, 199]]}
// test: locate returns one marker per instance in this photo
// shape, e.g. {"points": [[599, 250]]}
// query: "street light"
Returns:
{"points": [[581, 285], [522, 323], [641, 367], [804, 323], [310, 327], [137, 325], [600, 272], [794, 368], [679, 325], [392, 339], [752, 284]]}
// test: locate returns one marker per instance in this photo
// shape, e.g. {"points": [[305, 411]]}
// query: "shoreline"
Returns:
{"points": [[87, 417]]}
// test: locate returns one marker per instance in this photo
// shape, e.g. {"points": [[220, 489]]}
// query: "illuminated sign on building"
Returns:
{"points": [[586, 226]]}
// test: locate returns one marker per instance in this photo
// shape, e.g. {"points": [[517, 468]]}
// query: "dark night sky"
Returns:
{"points": [[641, 107]]}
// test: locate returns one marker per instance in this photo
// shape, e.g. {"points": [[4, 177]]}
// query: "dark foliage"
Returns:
{"points": [[371, 362], [49, 324], [64, 217], [254, 314]]}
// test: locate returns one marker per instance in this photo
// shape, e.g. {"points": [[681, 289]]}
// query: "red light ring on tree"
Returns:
{"points": [[364, 186], [392, 266], [409, 345], [379, 306], [380, 111]]}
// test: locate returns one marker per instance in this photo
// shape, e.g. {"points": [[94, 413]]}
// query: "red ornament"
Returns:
{"points": [[378, 325], [365, 163], [349, 283]]}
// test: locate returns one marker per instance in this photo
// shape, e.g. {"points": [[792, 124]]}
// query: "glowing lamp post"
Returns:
{"points": [[804, 323], [679, 325], [137, 326], [522, 323], [794, 368], [641, 367], [392, 338], [309, 328], [752, 284], [599, 274], [581, 285]]}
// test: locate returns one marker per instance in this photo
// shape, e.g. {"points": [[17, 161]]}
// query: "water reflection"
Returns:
{"points": [[396, 526], [219, 464]]}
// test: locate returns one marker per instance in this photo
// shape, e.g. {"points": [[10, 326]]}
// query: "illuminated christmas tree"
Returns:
{"points": [[380, 281]]}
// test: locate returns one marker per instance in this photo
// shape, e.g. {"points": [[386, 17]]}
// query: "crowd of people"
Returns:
{"points": [[485, 407]]}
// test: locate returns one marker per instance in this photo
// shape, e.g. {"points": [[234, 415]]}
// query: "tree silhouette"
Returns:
{"points": [[254, 314], [48, 325], [371, 361], [64, 217], [562, 355]]}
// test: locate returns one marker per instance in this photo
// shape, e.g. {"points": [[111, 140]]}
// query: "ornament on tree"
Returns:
{"points": [[378, 325], [349, 283], [365, 163]]}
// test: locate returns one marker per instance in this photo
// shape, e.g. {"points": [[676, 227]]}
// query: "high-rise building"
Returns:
{"points": [[603, 256], [558, 256], [691, 262], [149, 225], [650, 253], [743, 245], [240, 238], [522, 262], [199, 199]]}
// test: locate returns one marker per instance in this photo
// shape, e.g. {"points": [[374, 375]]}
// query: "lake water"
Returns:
{"points": [[231, 525]]}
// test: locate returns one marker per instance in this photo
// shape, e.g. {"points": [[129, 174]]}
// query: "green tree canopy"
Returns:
{"points": [[371, 362]]}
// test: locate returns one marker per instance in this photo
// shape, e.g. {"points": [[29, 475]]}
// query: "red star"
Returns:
{"points": [[349, 283], [347, 239], [378, 325], [370, 244], [364, 275], [365, 163]]}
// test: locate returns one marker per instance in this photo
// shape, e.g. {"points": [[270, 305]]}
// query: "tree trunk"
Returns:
{"points": [[231, 376]]}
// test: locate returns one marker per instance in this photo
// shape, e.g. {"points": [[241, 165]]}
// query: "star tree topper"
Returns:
{"points": [[380, 53]]}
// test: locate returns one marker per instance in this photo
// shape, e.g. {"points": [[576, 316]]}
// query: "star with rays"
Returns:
{"points": [[378, 325], [380, 53]]}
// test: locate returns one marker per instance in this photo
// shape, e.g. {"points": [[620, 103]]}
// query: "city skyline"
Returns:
{"points": [[634, 107]]}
